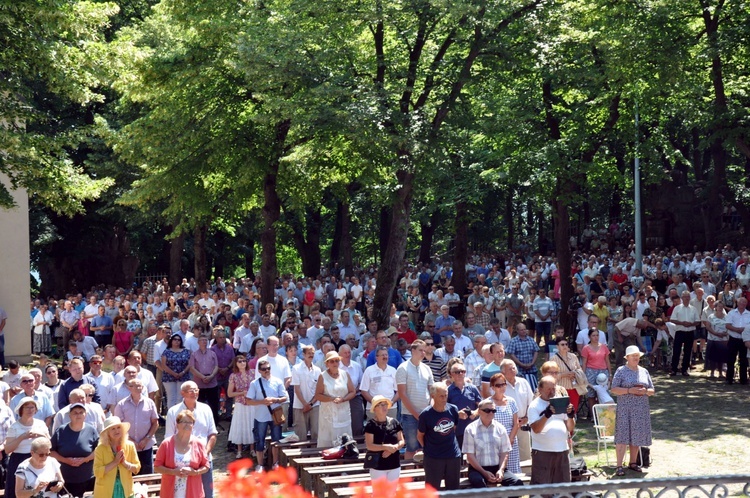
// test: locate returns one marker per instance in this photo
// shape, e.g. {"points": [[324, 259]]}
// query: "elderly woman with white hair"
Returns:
{"points": [[633, 385], [39, 474]]}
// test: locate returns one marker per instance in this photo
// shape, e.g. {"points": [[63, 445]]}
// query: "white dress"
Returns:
{"points": [[334, 419]]}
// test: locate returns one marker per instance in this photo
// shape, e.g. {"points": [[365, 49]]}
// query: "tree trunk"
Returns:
{"points": [[336, 243], [271, 212], [393, 258], [386, 216], [176, 246], [460, 253], [509, 217], [249, 258], [540, 231], [199, 248], [307, 240], [428, 233], [347, 257], [220, 240], [562, 248]]}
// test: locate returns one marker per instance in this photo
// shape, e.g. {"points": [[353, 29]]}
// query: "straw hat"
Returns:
{"points": [[332, 355], [113, 421], [633, 350], [379, 399]]}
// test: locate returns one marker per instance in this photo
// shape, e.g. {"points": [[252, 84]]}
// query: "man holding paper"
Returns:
{"points": [[550, 428]]}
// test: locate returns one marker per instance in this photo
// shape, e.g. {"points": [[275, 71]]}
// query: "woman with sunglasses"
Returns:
{"points": [[39, 475], [241, 430], [175, 361], [506, 412], [569, 367]]}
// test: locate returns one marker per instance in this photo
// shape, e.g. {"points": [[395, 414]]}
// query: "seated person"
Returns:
{"points": [[486, 446]]}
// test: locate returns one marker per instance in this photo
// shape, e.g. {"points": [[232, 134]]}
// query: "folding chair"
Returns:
{"points": [[604, 425]]}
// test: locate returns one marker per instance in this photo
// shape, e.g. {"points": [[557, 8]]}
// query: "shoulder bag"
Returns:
{"points": [[372, 458], [581, 382], [277, 414]]}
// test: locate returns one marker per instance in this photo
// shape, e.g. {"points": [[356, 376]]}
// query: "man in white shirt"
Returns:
{"points": [[380, 379], [413, 381], [497, 334], [265, 327], [737, 321], [241, 331], [685, 317], [582, 338], [520, 390], [550, 431], [463, 343], [104, 382], [86, 345], [305, 377]]}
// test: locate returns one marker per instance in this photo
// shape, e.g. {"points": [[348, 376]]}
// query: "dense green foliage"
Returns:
{"points": [[275, 135]]}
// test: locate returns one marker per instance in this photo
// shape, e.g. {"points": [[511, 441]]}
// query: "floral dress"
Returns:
{"points": [[633, 422], [241, 430], [504, 415], [177, 362]]}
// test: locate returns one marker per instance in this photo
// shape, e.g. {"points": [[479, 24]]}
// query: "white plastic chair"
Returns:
{"points": [[604, 425]]}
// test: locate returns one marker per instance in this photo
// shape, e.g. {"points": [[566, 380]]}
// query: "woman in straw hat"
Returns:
{"points": [[334, 390], [384, 435], [632, 384], [115, 461]]}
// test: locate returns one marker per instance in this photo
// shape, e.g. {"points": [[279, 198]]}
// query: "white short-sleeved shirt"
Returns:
{"points": [[376, 381], [31, 475], [204, 427], [18, 428], [554, 435], [307, 380], [279, 366]]}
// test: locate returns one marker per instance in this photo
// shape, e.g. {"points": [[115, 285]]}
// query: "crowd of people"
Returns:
{"points": [[452, 377]]}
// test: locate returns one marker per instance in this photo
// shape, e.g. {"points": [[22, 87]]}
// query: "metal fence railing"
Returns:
{"points": [[673, 487]]}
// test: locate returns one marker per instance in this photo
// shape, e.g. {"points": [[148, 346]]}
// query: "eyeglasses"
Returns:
{"points": [[187, 422], [45, 455], [264, 369], [459, 371], [501, 384], [488, 410], [562, 343], [89, 395], [334, 361], [429, 343], [96, 362], [241, 361]]}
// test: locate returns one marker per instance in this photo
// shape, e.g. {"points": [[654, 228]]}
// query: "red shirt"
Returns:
{"points": [[409, 335]]}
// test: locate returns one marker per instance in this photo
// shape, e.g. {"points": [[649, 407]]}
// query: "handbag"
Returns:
{"points": [[372, 459], [581, 382], [277, 414]]}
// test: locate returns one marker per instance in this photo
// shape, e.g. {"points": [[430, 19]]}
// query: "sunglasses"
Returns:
{"points": [[488, 410], [241, 361], [27, 381], [501, 384], [562, 343], [459, 371], [265, 369]]}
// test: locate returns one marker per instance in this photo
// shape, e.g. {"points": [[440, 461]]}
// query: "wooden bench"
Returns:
{"points": [[298, 463], [309, 476], [343, 492], [151, 481]]}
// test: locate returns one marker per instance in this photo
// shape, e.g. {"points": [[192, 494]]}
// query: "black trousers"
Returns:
{"points": [[438, 469], [477, 480], [737, 347], [146, 457], [210, 396], [683, 339]]}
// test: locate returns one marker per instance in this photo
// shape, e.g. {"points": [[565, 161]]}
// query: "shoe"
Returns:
{"points": [[275, 466], [418, 457], [620, 471], [238, 455], [685, 374], [259, 468], [292, 438], [635, 467]]}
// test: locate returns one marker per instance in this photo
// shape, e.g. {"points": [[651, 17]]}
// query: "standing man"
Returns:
{"points": [[104, 383], [140, 412], [204, 366], [380, 379], [519, 389], [524, 351], [224, 355], [305, 377], [543, 308], [550, 462], [737, 321], [685, 317], [413, 381], [101, 326], [204, 428]]}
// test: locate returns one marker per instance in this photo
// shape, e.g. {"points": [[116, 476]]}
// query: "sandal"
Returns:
{"points": [[620, 472], [635, 467]]}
